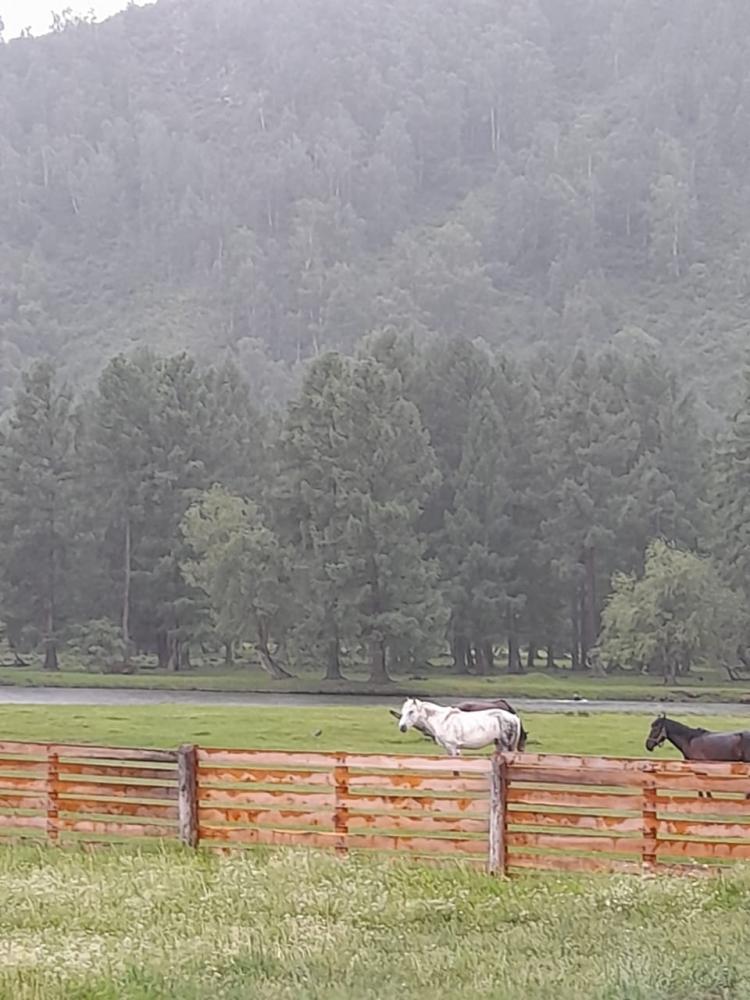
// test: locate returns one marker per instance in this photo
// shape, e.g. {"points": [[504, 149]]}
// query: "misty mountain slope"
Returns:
{"points": [[301, 172]]}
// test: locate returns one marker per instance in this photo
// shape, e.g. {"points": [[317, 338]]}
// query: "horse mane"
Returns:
{"points": [[684, 730]]}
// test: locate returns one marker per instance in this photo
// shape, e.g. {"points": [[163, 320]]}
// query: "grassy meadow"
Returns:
{"points": [[320, 728], [291, 925]]}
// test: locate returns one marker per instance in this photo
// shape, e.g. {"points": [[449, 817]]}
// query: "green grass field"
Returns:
{"points": [[348, 729], [167, 925], [437, 682]]}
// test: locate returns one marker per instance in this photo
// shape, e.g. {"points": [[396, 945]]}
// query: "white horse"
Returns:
{"points": [[455, 730]]}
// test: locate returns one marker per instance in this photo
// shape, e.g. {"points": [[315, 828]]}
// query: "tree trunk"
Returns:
{"points": [[228, 654], [50, 644], [50, 655], [514, 659], [488, 654], [173, 654], [126, 593], [162, 649], [333, 660], [378, 668], [480, 656], [588, 623], [531, 656], [551, 658], [459, 649], [268, 662], [575, 647]]}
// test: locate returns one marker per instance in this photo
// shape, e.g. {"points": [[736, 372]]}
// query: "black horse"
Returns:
{"points": [[699, 744]]}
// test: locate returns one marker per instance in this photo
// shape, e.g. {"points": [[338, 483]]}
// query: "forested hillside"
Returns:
{"points": [[274, 178]]}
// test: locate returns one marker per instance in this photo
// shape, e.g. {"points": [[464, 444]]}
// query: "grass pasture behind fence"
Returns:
{"points": [[507, 813]]}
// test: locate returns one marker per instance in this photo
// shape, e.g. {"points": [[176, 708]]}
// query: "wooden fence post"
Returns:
{"points": [[187, 794], [650, 823], [341, 808], [497, 862], [53, 795]]}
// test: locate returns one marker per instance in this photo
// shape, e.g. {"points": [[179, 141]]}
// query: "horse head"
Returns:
{"points": [[410, 714], [658, 732]]}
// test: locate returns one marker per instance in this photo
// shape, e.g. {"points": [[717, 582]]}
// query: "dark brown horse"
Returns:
{"points": [[699, 744], [479, 705]]}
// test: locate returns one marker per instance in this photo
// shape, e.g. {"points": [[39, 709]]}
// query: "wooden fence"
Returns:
{"points": [[507, 813]]}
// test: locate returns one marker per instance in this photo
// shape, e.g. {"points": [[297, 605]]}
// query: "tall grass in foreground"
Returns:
{"points": [[298, 926]]}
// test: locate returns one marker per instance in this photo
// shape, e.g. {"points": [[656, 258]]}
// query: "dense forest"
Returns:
{"points": [[274, 179], [361, 331], [408, 499]]}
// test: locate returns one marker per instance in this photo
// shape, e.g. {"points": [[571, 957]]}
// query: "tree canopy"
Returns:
{"points": [[278, 179]]}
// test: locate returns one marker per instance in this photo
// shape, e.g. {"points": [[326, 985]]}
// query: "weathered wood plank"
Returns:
{"points": [[88, 789], [23, 767], [628, 764], [573, 842], [165, 775], [275, 759], [187, 794], [575, 821], [451, 766], [648, 824], [691, 828], [676, 805], [417, 824], [257, 835], [610, 777], [82, 752], [107, 827], [15, 748], [422, 782], [118, 808], [696, 782], [704, 849], [209, 775], [497, 834], [23, 822], [8, 783], [271, 818], [233, 797], [399, 803], [570, 863], [592, 800], [414, 844], [17, 800]]}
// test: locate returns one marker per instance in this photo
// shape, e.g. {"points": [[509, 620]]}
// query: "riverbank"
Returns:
{"points": [[439, 685]]}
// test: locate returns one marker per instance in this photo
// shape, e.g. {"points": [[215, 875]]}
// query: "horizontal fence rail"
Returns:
{"points": [[509, 812]]}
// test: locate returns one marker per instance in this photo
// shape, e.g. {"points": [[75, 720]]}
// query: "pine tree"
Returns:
{"points": [[37, 463], [356, 472]]}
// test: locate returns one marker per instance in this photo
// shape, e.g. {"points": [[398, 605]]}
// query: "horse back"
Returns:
{"points": [[485, 704]]}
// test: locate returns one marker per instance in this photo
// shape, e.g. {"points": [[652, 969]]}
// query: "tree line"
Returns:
{"points": [[419, 497]]}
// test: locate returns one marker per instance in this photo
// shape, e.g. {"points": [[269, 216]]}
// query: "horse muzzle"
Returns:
{"points": [[651, 745], [402, 727]]}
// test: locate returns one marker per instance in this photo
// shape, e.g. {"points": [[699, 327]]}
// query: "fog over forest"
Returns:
{"points": [[360, 333]]}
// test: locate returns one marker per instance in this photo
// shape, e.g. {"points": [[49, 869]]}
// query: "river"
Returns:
{"points": [[136, 696]]}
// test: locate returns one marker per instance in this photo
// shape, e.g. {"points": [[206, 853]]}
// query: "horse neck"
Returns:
{"points": [[430, 710], [679, 734]]}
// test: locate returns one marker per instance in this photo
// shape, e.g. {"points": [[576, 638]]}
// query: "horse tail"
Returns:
{"points": [[522, 737]]}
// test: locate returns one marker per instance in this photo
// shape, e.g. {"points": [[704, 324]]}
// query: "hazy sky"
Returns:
{"points": [[36, 14]]}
